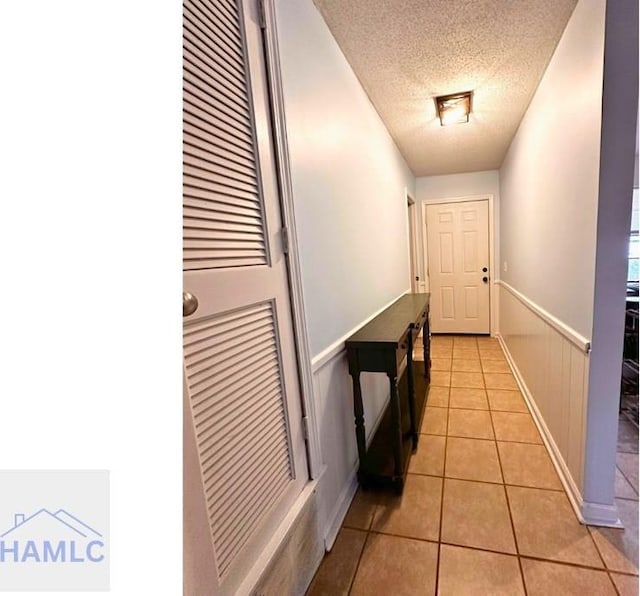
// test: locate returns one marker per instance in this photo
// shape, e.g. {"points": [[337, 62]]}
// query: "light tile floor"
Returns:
{"points": [[483, 511]]}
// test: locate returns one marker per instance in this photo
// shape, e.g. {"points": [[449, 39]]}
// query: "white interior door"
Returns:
{"points": [[458, 257], [244, 452]]}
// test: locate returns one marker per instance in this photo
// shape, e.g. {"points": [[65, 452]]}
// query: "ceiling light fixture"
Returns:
{"points": [[454, 108]]}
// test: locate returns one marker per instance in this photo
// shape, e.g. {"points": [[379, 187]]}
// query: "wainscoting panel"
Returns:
{"points": [[551, 363], [334, 406]]}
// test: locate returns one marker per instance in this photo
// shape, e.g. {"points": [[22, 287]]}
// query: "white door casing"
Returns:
{"points": [[244, 452], [413, 260], [457, 236]]}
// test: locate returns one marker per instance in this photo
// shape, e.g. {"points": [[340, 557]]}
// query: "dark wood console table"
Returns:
{"points": [[382, 346]]}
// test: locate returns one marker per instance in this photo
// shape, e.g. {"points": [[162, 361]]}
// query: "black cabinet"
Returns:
{"points": [[385, 345]]}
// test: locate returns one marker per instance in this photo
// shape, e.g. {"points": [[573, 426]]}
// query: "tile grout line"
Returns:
{"points": [[489, 409], [586, 526], [506, 495], [444, 470], [554, 490], [577, 565], [508, 554], [633, 488], [364, 545], [625, 573], [595, 544], [615, 587], [366, 540], [444, 467], [495, 442], [479, 438]]}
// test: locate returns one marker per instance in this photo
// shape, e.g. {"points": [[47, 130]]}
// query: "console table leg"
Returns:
{"points": [[358, 411], [426, 340], [396, 429], [412, 395]]}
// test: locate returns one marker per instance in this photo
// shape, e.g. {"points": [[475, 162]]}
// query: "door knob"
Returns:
{"points": [[189, 304], [484, 270], [485, 279]]}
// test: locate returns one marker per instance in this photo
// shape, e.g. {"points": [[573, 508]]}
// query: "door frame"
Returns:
{"points": [[412, 236], [283, 167], [493, 273], [198, 541]]}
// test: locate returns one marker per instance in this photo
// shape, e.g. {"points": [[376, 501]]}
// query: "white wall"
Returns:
{"points": [[431, 188], [635, 213], [349, 182], [549, 178], [457, 185], [565, 189], [349, 188]]}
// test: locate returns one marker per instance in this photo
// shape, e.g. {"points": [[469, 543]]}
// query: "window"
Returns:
{"points": [[634, 257]]}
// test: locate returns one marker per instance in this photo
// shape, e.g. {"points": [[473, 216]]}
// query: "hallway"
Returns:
{"points": [[483, 511]]}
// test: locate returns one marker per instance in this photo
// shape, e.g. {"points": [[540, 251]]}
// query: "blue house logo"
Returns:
{"points": [[51, 538]]}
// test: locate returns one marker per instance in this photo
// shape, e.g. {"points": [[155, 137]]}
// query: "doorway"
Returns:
{"points": [[458, 251]]}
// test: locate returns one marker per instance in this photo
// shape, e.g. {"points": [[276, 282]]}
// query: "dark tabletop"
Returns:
{"points": [[391, 324]]}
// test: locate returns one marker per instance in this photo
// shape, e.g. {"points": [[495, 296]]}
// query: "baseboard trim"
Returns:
{"points": [[340, 510], [597, 514], [575, 498]]}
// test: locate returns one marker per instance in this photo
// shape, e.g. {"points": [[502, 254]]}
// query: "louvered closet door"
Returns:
{"points": [[244, 453]]}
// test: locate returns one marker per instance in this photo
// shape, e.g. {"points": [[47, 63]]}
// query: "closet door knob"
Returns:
{"points": [[189, 304]]}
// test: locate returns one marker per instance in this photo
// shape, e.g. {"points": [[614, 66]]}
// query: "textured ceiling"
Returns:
{"points": [[405, 52]]}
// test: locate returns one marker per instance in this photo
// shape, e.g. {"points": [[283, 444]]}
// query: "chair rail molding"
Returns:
{"points": [[571, 334], [330, 352]]}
